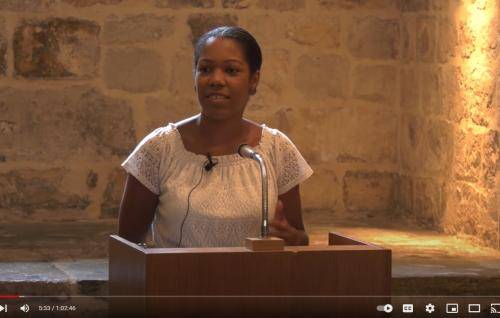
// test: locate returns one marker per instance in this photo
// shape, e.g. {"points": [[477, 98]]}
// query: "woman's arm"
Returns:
{"points": [[137, 210], [287, 223]]}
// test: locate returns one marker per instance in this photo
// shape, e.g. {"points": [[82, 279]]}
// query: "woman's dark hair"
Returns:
{"points": [[242, 36]]}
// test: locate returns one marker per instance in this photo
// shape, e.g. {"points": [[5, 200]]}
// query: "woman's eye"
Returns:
{"points": [[204, 69], [232, 70]]}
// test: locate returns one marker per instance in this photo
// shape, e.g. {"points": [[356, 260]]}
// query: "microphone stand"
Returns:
{"points": [[264, 242]]}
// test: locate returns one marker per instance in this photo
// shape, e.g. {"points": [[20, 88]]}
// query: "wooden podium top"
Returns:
{"points": [[337, 243]]}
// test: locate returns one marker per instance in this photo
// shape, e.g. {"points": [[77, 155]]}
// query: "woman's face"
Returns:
{"points": [[222, 79]]}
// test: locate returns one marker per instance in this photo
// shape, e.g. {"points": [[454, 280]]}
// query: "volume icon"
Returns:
{"points": [[25, 308]]}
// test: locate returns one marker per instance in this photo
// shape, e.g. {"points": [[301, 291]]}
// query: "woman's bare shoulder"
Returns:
{"points": [[255, 130], [186, 122]]}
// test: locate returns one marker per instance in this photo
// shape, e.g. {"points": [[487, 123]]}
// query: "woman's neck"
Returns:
{"points": [[216, 132]]}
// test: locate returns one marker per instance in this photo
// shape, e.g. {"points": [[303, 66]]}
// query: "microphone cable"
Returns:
{"points": [[207, 166]]}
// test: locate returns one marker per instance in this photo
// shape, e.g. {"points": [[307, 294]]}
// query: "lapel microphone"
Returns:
{"points": [[211, 163]]}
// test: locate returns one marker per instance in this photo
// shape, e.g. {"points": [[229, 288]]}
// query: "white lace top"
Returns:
{"points": [[225, 205]]}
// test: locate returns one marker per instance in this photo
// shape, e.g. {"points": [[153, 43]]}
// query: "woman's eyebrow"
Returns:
{"points": [[205, 60], [233, 60]]}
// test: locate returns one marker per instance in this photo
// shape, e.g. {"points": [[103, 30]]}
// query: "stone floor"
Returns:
{"points": [[70, 258]]}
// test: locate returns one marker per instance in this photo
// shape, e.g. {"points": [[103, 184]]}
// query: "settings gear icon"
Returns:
{"points": [[429, 308]]}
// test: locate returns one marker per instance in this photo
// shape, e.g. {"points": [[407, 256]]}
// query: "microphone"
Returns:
{"points": [[210, 164], [247, 152]]}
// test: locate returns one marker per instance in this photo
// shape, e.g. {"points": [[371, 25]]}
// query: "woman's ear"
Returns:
{"points": [[254, 81]]}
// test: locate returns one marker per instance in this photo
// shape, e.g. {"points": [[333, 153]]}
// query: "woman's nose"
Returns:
{"points": [[217, 78]]}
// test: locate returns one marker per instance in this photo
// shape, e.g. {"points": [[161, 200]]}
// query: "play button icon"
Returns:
{"points": [[3, 308]]}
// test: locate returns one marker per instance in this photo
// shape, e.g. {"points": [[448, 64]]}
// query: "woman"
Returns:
{"points": [[187, 186]]}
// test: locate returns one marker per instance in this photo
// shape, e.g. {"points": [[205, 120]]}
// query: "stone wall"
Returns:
{"points": [[367, 89], [449, 148]]}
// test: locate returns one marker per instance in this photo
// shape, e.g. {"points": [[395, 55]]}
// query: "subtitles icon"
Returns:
{"points": [[407, 308], [452, 308], [474, 308], [495, 309]]}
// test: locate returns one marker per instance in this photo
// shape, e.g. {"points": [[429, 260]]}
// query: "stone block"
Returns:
{"points": [[267, 105], [135, 70], [89, 3], [430, 91], [283, 121], [237, 4], [322, 76], [56, 48], [202, 23], [374, 134], [3, 47], [406, 195], [324, 32], [409, 96], [466, 39], [181, 81], [415, 5], [27, 5], [376, 83], [85, 269], [429, 207], [92, 178], [161, 111], [52, 125], [32, 240], [346, 135], [476, 157], [272, 118], [426, 39], [322, 191], [447, 40], [113, 193], [91, 277], [359, 4], [17, 276], [408, 37], [261, 23], [276, 59], [440, 5], [372, 37], [411, 142], [369, 191], [495, 100], [468, 214], [180, 4], [452, 99], [479, 92], [437, 147], [426, 146], [30, 193], [280, 119], [281, 5], [137, 28]]}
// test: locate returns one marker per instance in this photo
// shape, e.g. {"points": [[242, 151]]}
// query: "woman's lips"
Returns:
{"points": [[217, 97]]}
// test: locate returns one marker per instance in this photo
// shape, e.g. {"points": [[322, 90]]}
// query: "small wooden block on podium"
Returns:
{"points": [[264, 244]]}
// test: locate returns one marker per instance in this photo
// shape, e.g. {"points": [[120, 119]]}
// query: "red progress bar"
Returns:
{"points": [[10, 296]]}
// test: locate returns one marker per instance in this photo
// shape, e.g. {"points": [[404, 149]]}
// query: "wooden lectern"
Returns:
{"points": [[346, 278]]}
